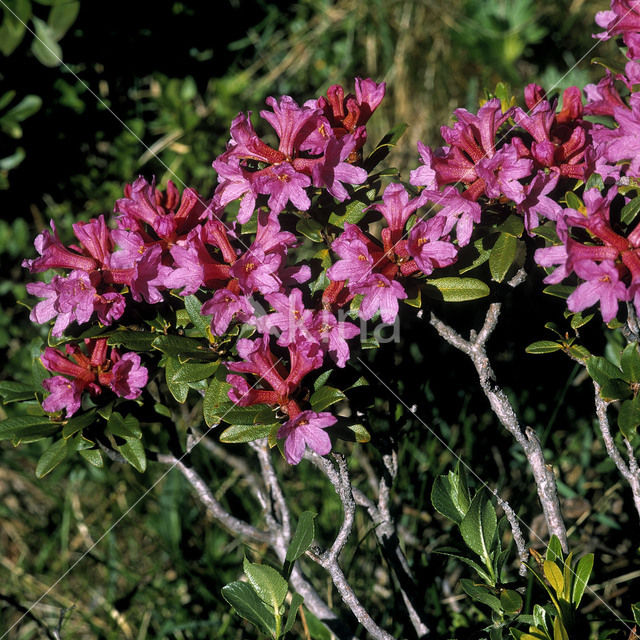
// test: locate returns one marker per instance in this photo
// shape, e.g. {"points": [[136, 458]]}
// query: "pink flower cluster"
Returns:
{"points": [[163, 242], [123, 374]]}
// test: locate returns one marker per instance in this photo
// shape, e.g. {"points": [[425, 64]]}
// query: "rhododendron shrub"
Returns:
{"points": [[242, 303]]}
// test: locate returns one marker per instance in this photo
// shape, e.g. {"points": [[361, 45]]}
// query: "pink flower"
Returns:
{"points": [[64, 394], [306, 430], [225, 306], [379, 294], [333, 335], [426, 248], [602, 284]]}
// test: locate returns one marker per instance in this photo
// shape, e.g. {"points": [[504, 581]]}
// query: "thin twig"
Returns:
{"points": [[543, 475], [518, 538], [628, 472]]}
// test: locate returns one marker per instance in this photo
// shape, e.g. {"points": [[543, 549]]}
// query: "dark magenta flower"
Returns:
{"points": [[226, 306], [128, 376]]}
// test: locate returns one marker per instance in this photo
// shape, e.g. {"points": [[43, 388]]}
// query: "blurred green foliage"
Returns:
{"points": [[152, 89]]}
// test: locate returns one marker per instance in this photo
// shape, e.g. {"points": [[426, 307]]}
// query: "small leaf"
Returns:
{"points": [[16, 391], [179, 346], [594, 182], [124, 427], [321, 379], [25, 108], [478, 527], [583, 573], [52, 457], [45, 46], [554, 576], [179, 390], [310, 228], [62, 16], [216, 401], [27, 427], [602, 371], [93, 457], [630, 363], [247, 605], [543, 346], [482, 594], [270, 586], [459, 289], [511, 602], [443, 502], [132, 340], [513, 226], [559, 290], [635, 610], [629, 417], [554, 549], [573, 201], [78, 423], [296, 601], [303, 536], [360, 432], [133, 451], [193, 307], [630, 211], [324, 397], [193, 372], [559, 632], [502, 256], [238, 433]]}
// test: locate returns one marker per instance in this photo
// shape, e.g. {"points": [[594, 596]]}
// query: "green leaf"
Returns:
{"points": [[321, 379], [478, 527], [502, 256], [179, 390], [270, 586], [324, 397], [16, 391], [543, 346], [360, 432], [192, 372], [302, 538], [630, 211], [482, 594], [573, 201], [444, 502], [583, 573], [124, 427], [454, 553], [554, 549], [554, 576], [384, 146], [579, 352], [132, 340], [354, 212], [248, 605], [216, 401], [310, 228], [11, 162], [45, 46], [513, 225], [296, 601], [559, 632], [200, 322], [27, 427], [594, 181], [93, 457], [133, 451], [630, 363], [559, 290], [615, 390], [511, 602], [459, 289], [635, 610], [601, 370], [78, 423], [629, 417], [52, 457], [180, 345], [238, 433], [61, 18], [25, 108]]}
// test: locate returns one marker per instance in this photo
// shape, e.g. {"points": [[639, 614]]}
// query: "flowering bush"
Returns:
{"points": [[242, 302]]}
